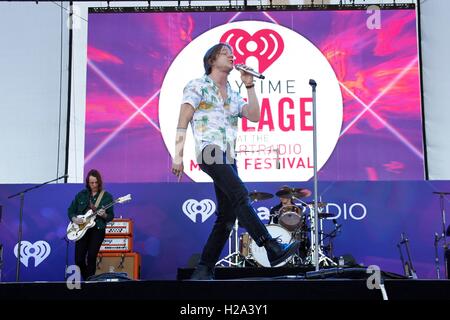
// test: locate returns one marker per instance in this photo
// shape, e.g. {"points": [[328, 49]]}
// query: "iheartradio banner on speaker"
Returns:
{"points": [[368, 95]]}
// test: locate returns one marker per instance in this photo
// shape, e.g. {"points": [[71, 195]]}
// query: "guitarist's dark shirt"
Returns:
{"points": [[83, 200]]}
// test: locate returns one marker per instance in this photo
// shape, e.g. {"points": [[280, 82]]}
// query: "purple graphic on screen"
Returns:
{"points": [[378, 70]]}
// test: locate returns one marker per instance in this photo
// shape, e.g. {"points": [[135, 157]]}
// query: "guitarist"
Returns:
{"points": [[93, 197]]}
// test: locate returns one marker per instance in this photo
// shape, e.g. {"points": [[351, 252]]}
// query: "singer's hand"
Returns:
{"points": [[177, 168], [246, 78]]}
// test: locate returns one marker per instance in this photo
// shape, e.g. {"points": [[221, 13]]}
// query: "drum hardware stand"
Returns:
{"points": [[443, 236], [235, 258], [317, 233], [316, 247]]}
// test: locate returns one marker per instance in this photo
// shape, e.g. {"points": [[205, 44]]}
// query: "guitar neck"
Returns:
{"points": [[109, 205]]}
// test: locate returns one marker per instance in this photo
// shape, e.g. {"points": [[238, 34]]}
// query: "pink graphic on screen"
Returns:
{"points": [[378, 71], [269, 46]]}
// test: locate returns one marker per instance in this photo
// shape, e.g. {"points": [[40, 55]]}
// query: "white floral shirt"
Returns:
{"points": [[215, 121]]}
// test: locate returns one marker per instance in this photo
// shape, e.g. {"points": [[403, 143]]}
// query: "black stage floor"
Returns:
{"points": [[271, 284], [227, 273], [251, 290]]}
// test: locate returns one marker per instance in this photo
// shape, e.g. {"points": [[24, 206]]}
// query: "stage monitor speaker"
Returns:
{"points": [[110, 277], [129, 263]]}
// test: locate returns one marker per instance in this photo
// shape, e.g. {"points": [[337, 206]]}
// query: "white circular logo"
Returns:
{"points": [[280, 146]]}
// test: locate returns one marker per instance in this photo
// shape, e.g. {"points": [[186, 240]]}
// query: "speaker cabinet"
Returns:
{"points": [[130, 263]]}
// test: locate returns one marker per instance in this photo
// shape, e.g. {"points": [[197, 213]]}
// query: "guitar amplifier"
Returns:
{"points": [[130, 263], [116, 244], [120, 227]]}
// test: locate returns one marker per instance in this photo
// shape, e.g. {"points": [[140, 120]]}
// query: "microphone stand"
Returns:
{"points": [[313, 85], [67, 255], [333, 234], [411, 272], [404, 266], [22, 199], [436, 255]]}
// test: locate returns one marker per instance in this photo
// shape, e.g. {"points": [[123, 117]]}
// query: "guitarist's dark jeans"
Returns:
{"points": [[86, 250], [233, 202]]}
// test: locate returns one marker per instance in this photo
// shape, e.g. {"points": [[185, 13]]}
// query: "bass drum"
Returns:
{"points": [[259, 254]]}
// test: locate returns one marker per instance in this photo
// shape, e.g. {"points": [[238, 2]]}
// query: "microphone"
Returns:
{"points": [[243, 67]]}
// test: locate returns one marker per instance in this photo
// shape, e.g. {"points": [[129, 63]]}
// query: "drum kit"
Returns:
{"points": [[289, 221]]}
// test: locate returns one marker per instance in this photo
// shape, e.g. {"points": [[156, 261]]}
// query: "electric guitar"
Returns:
{"points": [[76, 231]]}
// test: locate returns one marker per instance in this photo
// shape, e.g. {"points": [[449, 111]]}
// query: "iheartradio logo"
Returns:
{"points": [[39, 250], [193, 208], [279, 147], [265, 45]]}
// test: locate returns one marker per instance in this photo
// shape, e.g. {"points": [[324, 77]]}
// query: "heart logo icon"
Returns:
{"points": [[265, 45], [39, 250], [205, 208]]}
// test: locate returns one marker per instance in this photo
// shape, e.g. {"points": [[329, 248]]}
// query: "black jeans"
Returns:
{"points": [[233, 202], [86, 250]]}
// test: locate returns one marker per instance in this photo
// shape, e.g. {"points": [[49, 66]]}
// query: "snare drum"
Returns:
{"points": [[290, 217], [259, 254]]}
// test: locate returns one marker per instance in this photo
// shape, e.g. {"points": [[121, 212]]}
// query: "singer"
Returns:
{"points": [[212, 108]]}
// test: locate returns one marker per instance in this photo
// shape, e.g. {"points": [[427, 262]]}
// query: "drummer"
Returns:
{"points": [[285, 200]]}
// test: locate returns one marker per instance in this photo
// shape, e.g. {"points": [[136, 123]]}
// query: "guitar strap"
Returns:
{"points": [[99, 199]]}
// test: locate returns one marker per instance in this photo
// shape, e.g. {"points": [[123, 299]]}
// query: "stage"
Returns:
{"points": [[239, 284], [254, 289]]}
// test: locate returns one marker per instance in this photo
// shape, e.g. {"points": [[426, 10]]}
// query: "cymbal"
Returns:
{"points": [[319, 204], [322, 215], [257, 196], [294, 192]]}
